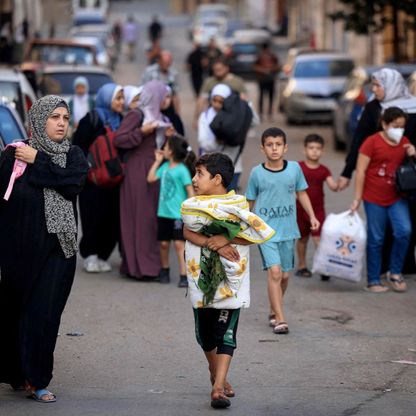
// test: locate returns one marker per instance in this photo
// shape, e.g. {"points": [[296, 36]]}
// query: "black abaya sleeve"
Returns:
{"points": [[367, 126], [68, 181]]}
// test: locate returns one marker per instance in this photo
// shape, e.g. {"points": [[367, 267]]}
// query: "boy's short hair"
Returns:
{"points": [[314, 138], [273, 132], [218, 164]]}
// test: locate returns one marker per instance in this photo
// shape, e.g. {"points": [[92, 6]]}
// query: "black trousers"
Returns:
{"points": [[100, 220], [266, 88], [30, 330]]}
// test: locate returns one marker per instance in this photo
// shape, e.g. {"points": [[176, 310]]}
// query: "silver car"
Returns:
{"points": [[314, 83], [59, 79]]}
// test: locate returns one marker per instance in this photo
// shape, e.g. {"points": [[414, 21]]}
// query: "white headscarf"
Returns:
{"points": [[396, 93], [80, 102], [130, 92], [206, 137]]}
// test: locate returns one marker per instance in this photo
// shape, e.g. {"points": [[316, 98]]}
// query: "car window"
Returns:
{"points": [[323, 68], [213, 14], [62, 83], [9, 129], [10, 92], [245, 48], [58, 54]]}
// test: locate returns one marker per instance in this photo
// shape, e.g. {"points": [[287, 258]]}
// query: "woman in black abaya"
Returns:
{"points": [[37, 246]]}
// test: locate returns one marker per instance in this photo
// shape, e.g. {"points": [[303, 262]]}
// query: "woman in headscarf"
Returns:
{"points": [[131, 96], [206, 138], [142, 131], [38, 246], [389, 90], [99, 207], [172, 115], [81, 102]]}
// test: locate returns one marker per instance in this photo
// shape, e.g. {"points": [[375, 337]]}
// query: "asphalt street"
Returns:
{"points": [[137, 354]]}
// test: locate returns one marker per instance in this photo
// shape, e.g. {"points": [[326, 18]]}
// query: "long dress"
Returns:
{"points": [[99, 208], [138, 200], [36, 278]]}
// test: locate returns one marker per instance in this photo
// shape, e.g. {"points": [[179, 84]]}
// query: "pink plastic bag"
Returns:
{"points": [[18, 170]]}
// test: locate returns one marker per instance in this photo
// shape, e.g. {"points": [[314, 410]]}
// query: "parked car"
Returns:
{"points": [[103, 57], [90, 5], [313, 85], [104, 32], [244, 50], [17, 91], [356, 93], [11, 126], [59, 80], [210, 21], [89, 17], [42, 52]]}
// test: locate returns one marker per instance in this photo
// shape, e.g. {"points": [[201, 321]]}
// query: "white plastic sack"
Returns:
{"points": [[342, 247]]}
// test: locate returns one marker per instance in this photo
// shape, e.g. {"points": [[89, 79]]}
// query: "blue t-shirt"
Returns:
{"points": [[173, 182], [275, 196]]}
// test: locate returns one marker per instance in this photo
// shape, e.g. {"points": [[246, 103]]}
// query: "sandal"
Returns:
{"points": [[38, 395], [228, 389], [219, 399], [304, 272], [281, 328], [272, 320], [378, 288], [398, 285]]}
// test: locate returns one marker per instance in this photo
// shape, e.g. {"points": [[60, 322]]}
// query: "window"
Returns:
{"points": [[10, 92], [9, 129], [61, 54], [61, 83], [323, 68]]}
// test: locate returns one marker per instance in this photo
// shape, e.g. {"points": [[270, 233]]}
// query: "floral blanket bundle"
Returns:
{"points": [[213, 280]]}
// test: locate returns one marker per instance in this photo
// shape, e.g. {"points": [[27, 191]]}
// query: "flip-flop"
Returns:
{"points": [[398, 285], [219, 400], [304, 272], [38, 394], [281, 328]]}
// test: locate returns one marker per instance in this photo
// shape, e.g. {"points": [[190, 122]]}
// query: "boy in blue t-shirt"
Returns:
{"points": [[272, 189]]}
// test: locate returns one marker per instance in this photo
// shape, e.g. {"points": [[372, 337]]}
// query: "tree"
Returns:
{"points": [[368, 17]]}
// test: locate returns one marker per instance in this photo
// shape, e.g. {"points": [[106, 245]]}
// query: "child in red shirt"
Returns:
{"points": [[379, 157], [316, 175]]}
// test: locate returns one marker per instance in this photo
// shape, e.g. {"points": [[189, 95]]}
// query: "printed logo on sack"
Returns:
{"points": [[345, 245]]}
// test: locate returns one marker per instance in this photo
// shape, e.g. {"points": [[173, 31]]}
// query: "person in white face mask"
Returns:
{"points": [[379, 157]]}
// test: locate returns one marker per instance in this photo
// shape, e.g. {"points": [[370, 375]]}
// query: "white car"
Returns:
{"points": [[16, 90], [313, 85], [210, 21]]}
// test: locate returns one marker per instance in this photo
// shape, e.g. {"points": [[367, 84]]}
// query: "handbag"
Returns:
{"points": [[406, 176]]}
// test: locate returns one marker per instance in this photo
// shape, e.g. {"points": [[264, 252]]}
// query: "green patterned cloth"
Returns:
{"points": [[212, 270]]}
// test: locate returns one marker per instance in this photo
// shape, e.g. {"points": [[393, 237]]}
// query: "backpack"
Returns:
{"points": [[232, 122], [106, 168]]}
